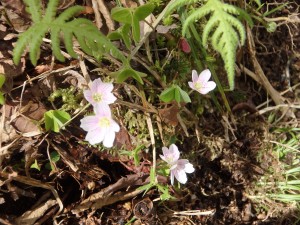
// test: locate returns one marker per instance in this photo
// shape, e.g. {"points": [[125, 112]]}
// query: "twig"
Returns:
{"points": [[98, 19], [103, 9], [195, 213], [35, 183], [262, 111], [264, 80], [106, 197]]}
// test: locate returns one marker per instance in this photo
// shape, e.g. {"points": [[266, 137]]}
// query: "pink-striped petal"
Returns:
{"points": [[194, 76], [95, 136], [209, 86], [204, 76], [89, 123], [109, 139]]}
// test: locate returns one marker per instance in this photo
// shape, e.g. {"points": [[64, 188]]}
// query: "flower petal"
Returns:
{"points": [[163, 158], [95, 85], [95, 136], [102, 110], [89, 123], [109, 98], [209, 86], [174, 152], [194, 75], [109, 139], [181, 163], [88, 96], [114, 126], [189, 168], [166, 152], [192, 85], [204, 76], [180, 175], [105, 88], [172, 176]]}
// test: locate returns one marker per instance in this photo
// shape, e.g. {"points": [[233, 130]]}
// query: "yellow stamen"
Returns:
{"points": [[104, 122]]}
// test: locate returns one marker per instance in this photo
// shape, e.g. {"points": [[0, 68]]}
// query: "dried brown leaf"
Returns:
{"points": [[27, 122], [129, 3], [169, 115]]}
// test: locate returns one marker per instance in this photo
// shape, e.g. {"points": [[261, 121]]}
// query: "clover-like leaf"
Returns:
{"points": [[55, 119], [174, 93], [126, 73]]}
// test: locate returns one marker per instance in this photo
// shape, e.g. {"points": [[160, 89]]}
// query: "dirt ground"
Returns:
{"points": [[89, 185]]}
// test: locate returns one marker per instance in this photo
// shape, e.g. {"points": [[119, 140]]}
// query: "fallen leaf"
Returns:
{"points": [[129, 3], [123, 139], [27, 122], [165, 29], [169, 115]]}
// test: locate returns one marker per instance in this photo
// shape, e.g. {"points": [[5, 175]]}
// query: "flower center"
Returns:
{"points": [[97, 97], [170, 160], [198, 86], [104, 122]]}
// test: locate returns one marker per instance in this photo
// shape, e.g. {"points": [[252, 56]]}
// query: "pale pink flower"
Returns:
{"points": [[201, 83], [100, 93], [178, 167], [100, 127]]}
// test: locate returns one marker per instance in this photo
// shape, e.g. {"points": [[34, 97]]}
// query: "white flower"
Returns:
{"points": [[100, 127], [201, 83], [178, 167], [100, 93]]}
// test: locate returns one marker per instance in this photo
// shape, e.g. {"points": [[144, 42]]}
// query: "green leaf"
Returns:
{"points": [[278, 8], [185, 96], [115, 35], [145, 187], [2, 79], [152, 176], [126, 38], [55, 119], [123, 15], [126, 73], [136, 29], [258, 2], [165, 192], [168, 95], [177, 95], [136, 152], [174, 93], [143, 11], [35, 165], [2, 99], [55, 157]]}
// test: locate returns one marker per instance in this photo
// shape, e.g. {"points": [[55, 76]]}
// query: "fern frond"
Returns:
{"points": [[197, 14], [177, 4], [228, 31], [50, 11], [90, 39], [213, 22], [34, 9]]}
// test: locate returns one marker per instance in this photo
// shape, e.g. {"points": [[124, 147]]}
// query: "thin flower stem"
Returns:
{"points": [[83, 109]]}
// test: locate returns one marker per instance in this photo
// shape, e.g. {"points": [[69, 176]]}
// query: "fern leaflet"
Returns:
{"points": [[90, 39], [228, 31]]}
